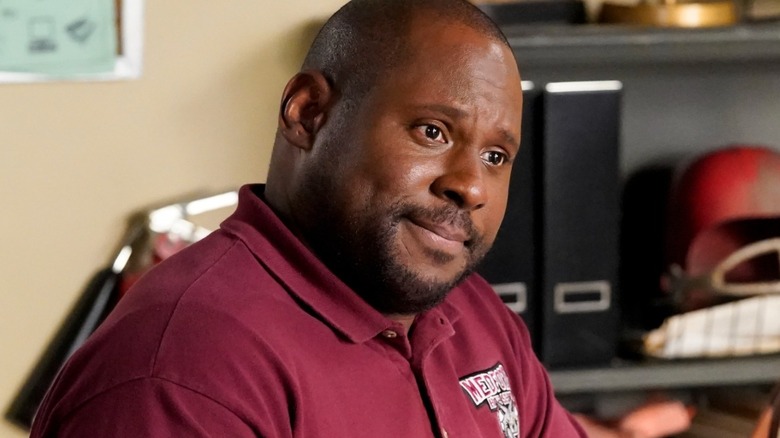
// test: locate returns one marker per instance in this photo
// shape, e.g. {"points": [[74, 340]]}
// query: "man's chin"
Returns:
{"points": [[410, 291], [408, 305], [430, 265]]}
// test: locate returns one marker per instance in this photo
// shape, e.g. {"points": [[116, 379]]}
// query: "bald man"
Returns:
{"points": [[339, 300]]}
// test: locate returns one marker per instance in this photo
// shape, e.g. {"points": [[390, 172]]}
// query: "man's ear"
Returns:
{"points": [[305, 103]]}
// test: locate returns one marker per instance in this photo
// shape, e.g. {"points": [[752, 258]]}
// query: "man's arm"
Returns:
{"points": [[651, 420], [149, 407]]}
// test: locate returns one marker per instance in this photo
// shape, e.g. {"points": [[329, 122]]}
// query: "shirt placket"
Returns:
{"points": [[432, 329]]}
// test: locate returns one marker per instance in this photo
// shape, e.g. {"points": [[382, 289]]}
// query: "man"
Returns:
{"points": [[337, 301]]}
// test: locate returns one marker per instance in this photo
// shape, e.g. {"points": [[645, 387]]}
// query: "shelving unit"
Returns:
{"points": [[686, 91]]}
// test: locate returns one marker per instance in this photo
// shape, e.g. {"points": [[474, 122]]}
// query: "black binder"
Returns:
{"points": [[580, 216]]}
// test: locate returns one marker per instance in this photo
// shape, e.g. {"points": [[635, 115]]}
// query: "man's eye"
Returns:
{"points": [[433, 132], [495, 158]]}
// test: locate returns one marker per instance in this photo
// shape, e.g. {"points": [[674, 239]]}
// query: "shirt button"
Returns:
{"points": [[389, 334]]}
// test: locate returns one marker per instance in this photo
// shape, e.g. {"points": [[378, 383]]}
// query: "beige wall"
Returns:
{"points": [[76, 158]]}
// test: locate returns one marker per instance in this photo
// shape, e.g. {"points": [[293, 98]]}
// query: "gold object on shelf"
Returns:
{"points": [[671, 14], [490, 2]]}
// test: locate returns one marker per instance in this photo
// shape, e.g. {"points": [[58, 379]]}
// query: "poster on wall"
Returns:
{"points": [[75, 39]]}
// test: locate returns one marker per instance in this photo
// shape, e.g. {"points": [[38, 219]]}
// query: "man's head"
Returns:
{"points": [[392, 158], [365, 39]]}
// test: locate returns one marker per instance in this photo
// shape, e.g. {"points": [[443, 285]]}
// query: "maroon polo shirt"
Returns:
{"points": [[247, 333]]}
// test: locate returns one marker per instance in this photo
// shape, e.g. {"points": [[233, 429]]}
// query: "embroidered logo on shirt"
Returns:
{"points": [[491, 388]]}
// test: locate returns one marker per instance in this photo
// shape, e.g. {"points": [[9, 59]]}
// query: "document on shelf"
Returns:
{"points": [[740, 328]]}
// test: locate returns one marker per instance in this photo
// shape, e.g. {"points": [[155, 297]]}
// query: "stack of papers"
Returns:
{"points": [[740, 328]]}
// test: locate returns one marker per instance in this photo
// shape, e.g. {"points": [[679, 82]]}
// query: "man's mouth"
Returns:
{"points": [[446, 237], [445, 231]]}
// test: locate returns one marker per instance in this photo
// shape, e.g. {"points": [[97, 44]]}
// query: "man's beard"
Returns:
{"points": [[362, 251]]}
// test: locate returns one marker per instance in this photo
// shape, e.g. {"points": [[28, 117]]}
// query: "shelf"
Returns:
{"points": [[561, 45], [626, 376]]}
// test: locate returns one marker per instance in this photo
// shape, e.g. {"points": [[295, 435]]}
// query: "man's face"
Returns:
{"points": [[410, 187]]}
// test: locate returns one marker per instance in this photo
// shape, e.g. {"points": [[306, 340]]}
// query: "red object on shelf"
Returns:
{"points": [[723, 201]]}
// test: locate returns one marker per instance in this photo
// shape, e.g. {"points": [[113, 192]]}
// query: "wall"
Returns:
{"points": [[76, 158]]}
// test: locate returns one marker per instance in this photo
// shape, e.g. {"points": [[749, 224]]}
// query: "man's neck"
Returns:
{"points": [[405, 320]]}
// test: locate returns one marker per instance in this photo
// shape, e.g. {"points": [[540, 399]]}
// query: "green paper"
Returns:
{"points": [[57, 37]]}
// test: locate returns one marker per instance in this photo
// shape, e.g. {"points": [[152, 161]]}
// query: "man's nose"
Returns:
{"points": [[462, 180]]}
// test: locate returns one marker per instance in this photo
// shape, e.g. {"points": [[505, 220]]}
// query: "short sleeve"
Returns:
{"points": [[149, 407]]}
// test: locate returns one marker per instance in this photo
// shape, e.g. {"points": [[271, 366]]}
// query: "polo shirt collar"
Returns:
{"points": [[304, 275]]}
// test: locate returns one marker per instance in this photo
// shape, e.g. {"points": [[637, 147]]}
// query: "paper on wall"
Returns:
{"points": [[57, 37]]}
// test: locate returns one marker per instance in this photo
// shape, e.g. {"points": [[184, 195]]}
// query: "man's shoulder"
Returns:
{"points": [[216, 275], [213, 291], [197, 317]]}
